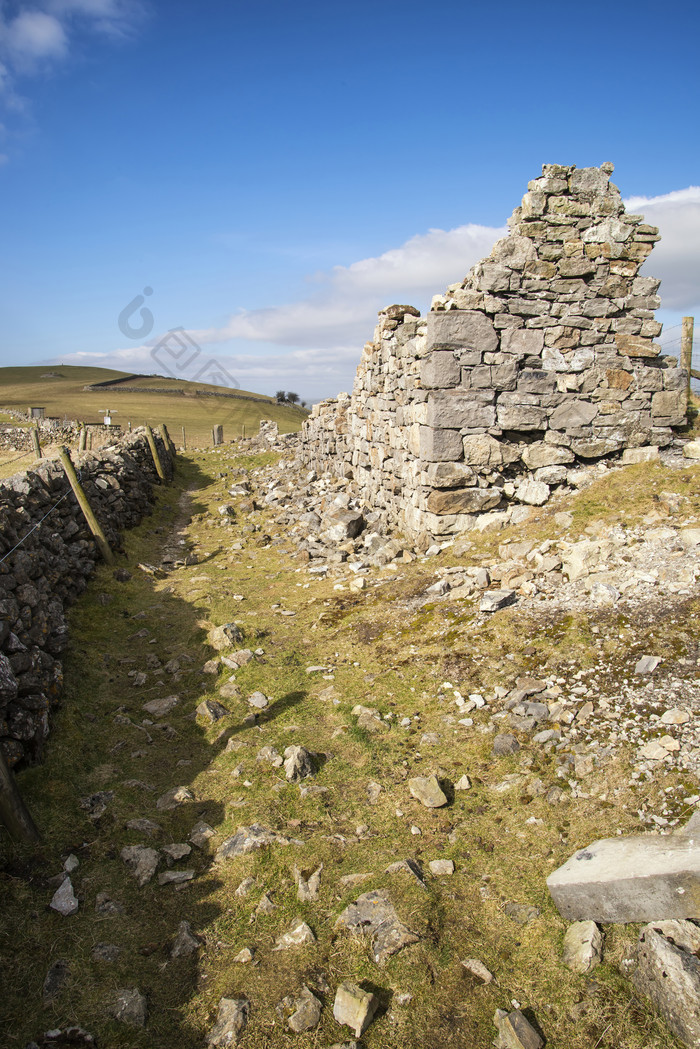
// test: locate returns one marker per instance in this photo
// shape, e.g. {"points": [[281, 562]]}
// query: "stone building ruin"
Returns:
{"points": [[542, 359]]}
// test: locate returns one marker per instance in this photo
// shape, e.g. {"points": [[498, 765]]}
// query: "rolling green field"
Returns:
{"points": [[60, 389]]}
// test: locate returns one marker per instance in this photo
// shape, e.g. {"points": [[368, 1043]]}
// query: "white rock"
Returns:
{"points": [[64, 900]]}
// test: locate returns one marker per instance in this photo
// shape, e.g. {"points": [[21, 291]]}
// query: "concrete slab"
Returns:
{"points": [[642, 878]]}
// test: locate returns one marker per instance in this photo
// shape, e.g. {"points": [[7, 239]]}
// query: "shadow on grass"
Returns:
{"points": [[102, 740]]}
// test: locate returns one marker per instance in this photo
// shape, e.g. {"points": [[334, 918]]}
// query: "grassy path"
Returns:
{"points": [[144, 639]]}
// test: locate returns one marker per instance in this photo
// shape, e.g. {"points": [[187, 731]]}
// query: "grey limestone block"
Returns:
{"points": [[461, 329], [640, 878], [440, 370], [440, 445]]}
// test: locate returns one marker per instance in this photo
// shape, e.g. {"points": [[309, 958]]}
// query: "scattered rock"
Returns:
{"points": [[298, 934], [441, 867], [504, 744], [522, 913], [230, 1022], [298, 763], [493, 600], [583, 945], [515, 1031], [130, 1007], [244, 957], [258, 700], [105, 952], [247, 839], [647, 665], [478, 969], [305, 1010], [463, 783], [158, 708], [185, 943], [212, 711], [375, 911], [354, 1007], [107, 907], [142, 861], [307, 884], [144, 826], [64, 900], [173, 798], [55, 980], [175, 877], [427, 791], [665, 967]]}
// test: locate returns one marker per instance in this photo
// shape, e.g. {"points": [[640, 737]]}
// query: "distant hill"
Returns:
{"points": [[74, 392]]}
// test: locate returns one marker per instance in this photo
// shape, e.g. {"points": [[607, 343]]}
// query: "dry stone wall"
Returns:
{"points": [[541, 359], [47, 572]]}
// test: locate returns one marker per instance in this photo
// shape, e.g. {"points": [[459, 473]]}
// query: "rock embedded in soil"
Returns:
{"points": [[668, 972], [308, 884], [427, 791], [105, 952], [306, 1011], [515, 1031], [130, 1007], [142, 861], [583, 946], [354, 1007], [55, 980], [298, 763], [158, 708], [212, 711], [185, 943], [504, 744], [173, 798], [374, 911], [258, 700], [493, 600], [231, 1020], [478, 969], [145, 826], [247, 839], [298, 934], [64, 899]]}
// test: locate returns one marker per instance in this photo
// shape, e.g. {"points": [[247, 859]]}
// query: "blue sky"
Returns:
{"points": [[277, 173]]}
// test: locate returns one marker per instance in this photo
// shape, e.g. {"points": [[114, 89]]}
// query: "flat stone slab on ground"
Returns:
{"points": [[230, 1022], [640, 878]]}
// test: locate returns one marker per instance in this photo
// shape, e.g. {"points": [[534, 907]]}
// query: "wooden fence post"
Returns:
{"points": [[217, 435], [83, 439], [154, 452], [13, 812], [35, 441], [184, 440], [93, 523], [687, 346], [163, 431]]}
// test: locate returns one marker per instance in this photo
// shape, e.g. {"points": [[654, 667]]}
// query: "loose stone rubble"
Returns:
{"points": [[541, 359]]}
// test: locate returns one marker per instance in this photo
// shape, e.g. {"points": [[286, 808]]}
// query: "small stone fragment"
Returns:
{"points": [[258, 700], [244, 957], [647, 665], [231, 1020], [307, 1012], [173, 798], [55, 980], [212, 711], [107, 907], [515, 1031], [308, 884], [105, 952], [478, 969], [64, 900], [298, 763], [505, 743], [144, 826], [354, 1007], [185, 943], [463, 783], [522, 913], [493, 600], [298, 934], [441, 867], [176, 852], [130, 1007], [427, 791], [158, 708], [142, 861], [583, 945], [200, 834], [175, 877]]}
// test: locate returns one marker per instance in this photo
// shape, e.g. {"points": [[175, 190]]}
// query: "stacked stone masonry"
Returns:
{"points": [[50, 568], [541, 359]]}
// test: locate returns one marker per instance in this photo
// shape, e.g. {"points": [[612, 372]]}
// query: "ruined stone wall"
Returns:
{"points": [[47, 572], [542, 358]]}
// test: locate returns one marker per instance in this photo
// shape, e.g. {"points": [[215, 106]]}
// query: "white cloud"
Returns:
{"points": [[41, 34], [675, 260], [34, 35], [343, 310]]}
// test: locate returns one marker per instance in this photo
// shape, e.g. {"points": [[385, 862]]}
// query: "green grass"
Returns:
{"points": [[386, 655], [65, 397]]}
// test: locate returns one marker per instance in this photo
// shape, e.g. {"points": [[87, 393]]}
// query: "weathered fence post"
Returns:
{"points": [[154, 452], [83, 439], [93, 523], [687, 325], [13, 812], [184, 440], [35, 441], [163, 431], [217, 435]]}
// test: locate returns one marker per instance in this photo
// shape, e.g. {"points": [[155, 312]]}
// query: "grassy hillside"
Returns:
{"points": [[60, 389]]}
